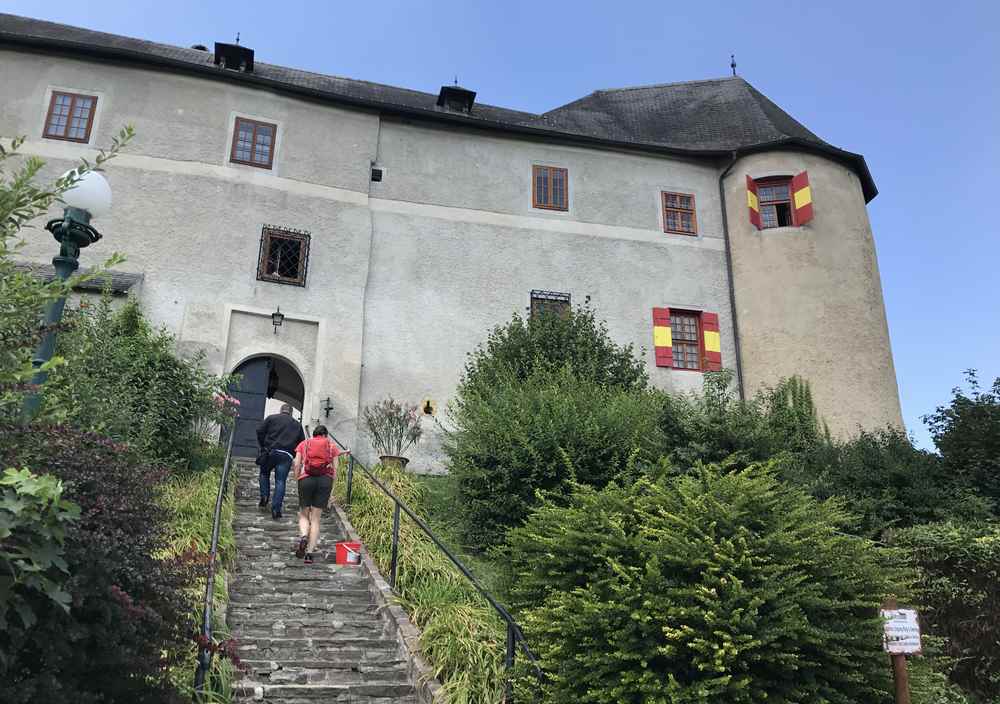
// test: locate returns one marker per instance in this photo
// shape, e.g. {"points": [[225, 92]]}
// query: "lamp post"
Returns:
{"points": [[89, 198]]}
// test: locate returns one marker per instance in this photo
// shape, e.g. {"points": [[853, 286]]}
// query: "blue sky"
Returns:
{"points": [[914, 86]]}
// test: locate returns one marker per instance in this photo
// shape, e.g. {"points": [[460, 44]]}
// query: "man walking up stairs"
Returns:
{"points": [[306, 633]]}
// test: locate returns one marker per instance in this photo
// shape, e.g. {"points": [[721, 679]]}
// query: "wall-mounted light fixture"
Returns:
{"points": [[327, 407], [277, 318]]}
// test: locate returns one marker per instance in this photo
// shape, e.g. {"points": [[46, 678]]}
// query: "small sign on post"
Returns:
{"points": [[900, 637]]}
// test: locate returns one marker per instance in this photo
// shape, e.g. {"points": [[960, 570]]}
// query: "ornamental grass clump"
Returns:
{"points": [[713, 587], [393, 427]]}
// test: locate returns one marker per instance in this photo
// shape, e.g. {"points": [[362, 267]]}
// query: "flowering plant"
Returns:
{"points": [[392, 426]]}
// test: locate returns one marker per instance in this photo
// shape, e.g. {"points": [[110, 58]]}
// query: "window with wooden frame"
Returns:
{"points": [[685, 329], [774, 196], [70, 116], [679, 214], [545, 302], [253, 143], [549, 188], [284, 256]]}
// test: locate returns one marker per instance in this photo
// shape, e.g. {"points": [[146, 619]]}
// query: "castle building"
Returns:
{"points": [[394, 228]]}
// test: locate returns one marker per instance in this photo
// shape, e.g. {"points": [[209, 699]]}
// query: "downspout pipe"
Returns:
{"points": [[732, 285]]}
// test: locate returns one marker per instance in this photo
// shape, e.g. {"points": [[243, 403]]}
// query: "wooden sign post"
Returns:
{"points": [[901, 637]]}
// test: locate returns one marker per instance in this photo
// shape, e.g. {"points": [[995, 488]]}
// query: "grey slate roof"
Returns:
{"points": [[118, 282], [710, 118]]}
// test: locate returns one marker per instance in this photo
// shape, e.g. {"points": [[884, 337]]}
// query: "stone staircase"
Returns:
{"points": [[306, 634]]}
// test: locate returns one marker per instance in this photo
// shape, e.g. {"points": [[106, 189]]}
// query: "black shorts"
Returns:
{"points": [[314, 492]]}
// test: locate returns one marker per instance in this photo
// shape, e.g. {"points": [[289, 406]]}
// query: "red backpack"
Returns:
{"points": [[317, 456]]}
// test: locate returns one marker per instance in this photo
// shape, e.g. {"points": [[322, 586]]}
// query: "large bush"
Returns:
{"points": [[540, 433], [713, 587], [126, 625], [553, 341], [124, 379], [959, 589]]}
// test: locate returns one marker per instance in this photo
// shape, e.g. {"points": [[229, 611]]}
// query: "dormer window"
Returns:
{"points": [[253, 143]]}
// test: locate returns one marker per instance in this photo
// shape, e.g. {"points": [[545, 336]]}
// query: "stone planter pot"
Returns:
{"points": [[394, 461]]}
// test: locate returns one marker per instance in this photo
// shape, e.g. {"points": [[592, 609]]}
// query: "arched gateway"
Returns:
{"points": [[262, 378]]}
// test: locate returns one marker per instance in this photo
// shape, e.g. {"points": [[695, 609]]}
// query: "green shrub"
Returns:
{"points": [[540, 433], [124, 379], [712, 587], [886, 482], [959, 591], [552, 341], [461, 636], [33, 520], [124, 630]]}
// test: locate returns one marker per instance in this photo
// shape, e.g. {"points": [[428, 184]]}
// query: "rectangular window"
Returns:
{"points": [[545, 302], [678, 214], [549, 188], [284, 256], [70, 117], [253, 143], [685, 329], [775, 202]]}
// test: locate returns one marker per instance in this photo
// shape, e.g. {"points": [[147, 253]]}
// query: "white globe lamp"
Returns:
{"points": [[91, 193]]}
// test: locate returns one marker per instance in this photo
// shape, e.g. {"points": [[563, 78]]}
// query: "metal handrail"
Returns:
{"points": [[515, 637], [205, 649]]}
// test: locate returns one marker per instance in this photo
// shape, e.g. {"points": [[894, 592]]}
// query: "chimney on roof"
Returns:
{"points": [[456, 98], [199, 47], [234, 57]]}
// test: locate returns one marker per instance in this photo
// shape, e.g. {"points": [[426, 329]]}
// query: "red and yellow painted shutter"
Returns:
{"points": [[663, 344], [802, 200], [752, 202], [711, 342]]}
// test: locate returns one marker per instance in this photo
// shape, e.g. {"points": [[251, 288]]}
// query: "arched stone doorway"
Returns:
{"points": [[262, 378]]}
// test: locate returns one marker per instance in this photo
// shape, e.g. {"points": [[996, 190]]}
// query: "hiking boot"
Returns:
{"points": [[275, 515], [263, 502], [309, 558], [300, 550]]}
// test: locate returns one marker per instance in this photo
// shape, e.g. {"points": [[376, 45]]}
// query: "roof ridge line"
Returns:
{"points": [[667, 85]]}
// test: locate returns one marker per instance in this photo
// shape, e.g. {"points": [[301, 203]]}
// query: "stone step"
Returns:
{"points": [[324, 672], [269, 599], [374, 650], [318, 612], [272, 593], [370, 693], [297, 629]]}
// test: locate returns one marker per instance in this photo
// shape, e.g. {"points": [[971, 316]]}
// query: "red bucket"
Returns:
{"points": [[348, 553]]}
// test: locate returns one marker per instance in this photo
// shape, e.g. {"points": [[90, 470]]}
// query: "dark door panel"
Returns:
{"points": [[251, 391]]}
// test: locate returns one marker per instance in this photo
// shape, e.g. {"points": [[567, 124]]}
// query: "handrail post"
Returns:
{"points": [[350, 478], [508, 695], [395, 545]]}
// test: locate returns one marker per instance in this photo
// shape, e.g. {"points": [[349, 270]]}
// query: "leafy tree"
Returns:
{"points": [[711, 587], [23, 297], [543, 432], [126, 624], [967, 434], [552, 341]]}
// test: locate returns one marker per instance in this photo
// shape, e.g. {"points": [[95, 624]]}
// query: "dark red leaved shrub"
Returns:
{"points": [[128, 617]]}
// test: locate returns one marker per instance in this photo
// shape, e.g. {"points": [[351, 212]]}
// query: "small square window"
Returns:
{"points": [[546, 302], [549, 188], [774, 196], [253, 143], [70, 117], [284, 256], [679, 214], [685, 328]]}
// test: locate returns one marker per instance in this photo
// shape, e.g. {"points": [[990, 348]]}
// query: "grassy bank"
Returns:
{"points": [[191, 499], [461, 636]]}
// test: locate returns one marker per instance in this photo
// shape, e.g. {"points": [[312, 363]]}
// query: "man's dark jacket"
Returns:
{"points": [[280, 432]]}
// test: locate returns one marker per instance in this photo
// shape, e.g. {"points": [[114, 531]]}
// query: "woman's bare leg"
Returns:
{"points": [[304, 522], [315, 514]]}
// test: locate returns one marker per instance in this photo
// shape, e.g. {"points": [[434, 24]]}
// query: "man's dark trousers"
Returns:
{"points": [[281, 462]]}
